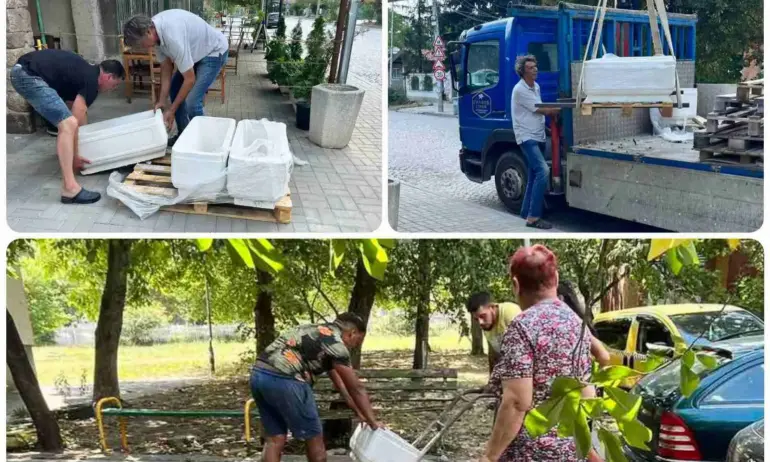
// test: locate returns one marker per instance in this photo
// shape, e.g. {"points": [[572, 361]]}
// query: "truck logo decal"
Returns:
{"points": [[481, 104]]}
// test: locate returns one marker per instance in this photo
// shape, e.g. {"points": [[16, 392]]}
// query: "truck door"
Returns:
{"points": [[537, 37], [484, 99]]}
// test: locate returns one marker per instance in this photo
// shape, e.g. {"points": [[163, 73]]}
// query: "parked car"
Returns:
{"points": [[749, 444], [628, 334], [272, 20], [701, 426]]}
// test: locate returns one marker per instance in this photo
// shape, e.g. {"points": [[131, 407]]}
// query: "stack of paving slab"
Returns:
{"points": [[734, 132]]}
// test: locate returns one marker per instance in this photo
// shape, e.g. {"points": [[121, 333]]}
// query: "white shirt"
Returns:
{"points": [[186, 38], [527, 124]]}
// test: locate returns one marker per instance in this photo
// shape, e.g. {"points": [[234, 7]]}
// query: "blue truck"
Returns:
{"points": [[608, 162]]}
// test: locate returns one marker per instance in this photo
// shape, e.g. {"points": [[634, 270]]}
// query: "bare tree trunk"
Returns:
{"points": [[48, 433], [212, 364], [342, 16], [361, 302], [477, 338], [422, 322], [264, 321], [110, 323]]}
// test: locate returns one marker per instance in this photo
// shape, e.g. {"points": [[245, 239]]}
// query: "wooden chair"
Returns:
{"points": [[234, 51], [222, 85], [139, 65]]}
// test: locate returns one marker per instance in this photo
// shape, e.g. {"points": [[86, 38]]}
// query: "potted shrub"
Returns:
{"points": [[295, 65], [277, 55], [319, 47]]}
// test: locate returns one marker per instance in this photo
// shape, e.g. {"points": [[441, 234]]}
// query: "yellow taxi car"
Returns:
{"points": [[630, 334]]}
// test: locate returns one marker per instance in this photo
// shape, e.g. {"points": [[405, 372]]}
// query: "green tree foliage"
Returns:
{"points": [[417, 37], [734, 34]]}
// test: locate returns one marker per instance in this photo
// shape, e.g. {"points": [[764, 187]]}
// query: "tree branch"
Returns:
{"points": [[615, 281]]}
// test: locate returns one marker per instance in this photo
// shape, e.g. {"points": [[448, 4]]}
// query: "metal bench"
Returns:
{"points": [[393, 386]]}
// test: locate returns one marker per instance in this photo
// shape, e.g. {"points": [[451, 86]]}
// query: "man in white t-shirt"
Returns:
{"points": [[198, 50], [529, 128]]}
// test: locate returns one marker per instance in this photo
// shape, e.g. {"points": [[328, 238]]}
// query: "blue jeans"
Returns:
{"points": [[537, 180], [206, 72], [284, 404], [39, 95]]}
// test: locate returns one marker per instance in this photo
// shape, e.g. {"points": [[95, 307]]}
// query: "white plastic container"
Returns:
{"points": [[382, 445], [260, 164], [199, 157], [633, 79], [122, 141]]}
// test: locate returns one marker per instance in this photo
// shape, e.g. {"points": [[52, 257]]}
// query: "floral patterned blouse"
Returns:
{"points": [[539, 343]]}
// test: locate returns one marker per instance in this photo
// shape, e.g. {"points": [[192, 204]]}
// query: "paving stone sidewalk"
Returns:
{"points": [[338, 191], [422, 211]]}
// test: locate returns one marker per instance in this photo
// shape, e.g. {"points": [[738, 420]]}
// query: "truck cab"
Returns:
{"points": [[590, 176]]}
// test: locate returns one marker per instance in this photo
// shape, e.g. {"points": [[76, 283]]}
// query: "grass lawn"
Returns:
{"points": [[75, 365]]}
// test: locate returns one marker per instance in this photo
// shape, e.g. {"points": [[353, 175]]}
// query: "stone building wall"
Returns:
{"points": [[19, 118]]}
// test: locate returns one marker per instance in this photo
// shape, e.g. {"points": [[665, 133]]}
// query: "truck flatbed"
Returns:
{"points": [[650, 149]]}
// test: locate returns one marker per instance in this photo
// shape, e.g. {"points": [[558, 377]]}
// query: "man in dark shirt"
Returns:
{"points": [[61, 85], [281, 383]]}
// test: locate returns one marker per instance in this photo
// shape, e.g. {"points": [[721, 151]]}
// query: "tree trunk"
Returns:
{"points": [[342, 16], [212, 364], [264, 321], [477, 338], [110, 323], [48, 434], [361, 302], [422, 322]]}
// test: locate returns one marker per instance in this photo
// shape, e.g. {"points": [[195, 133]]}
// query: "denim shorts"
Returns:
{"points": [[285, 404], [39, 95]]}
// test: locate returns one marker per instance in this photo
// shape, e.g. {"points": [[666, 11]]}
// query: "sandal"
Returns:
{"points": [[539, 224], [83, 197]]}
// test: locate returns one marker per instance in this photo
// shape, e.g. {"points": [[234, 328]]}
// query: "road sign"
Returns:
{"points": [[438, 43], [439, 75], [438, 54], [438, 66]]}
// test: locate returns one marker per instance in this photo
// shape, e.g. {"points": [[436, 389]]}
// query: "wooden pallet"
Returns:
{"points": [[155, 178], [745, 92], [667, 109], [724, 151]]}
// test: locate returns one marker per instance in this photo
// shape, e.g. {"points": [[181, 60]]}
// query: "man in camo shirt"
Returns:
{"points": [[282, 378]]}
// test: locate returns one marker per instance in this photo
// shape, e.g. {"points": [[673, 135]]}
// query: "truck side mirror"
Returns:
{"points": [[454, 57]]}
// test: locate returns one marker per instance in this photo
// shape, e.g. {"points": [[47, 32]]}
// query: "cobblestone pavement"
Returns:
{"points": [[338, 191], [423, 155]]}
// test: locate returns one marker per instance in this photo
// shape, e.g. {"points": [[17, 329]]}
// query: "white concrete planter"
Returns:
{"points": [[394, 192], [333, 114]]}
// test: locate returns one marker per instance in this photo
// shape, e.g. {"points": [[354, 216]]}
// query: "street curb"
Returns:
{"points": [[432, 113]]}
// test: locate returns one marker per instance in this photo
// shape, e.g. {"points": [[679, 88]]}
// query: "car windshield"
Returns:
{"points": [[666, 379], [715, 326]]}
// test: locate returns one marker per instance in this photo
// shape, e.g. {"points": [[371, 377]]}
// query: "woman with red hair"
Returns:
{"points": [[544, 342]]}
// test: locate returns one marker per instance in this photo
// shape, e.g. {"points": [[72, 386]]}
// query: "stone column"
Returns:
{"points": [[87, 16], [18, 118]]}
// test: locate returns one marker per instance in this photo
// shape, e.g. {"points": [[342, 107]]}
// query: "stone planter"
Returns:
{"points": [[333, 114], [394, 191], [283, 89], [707, 95]]}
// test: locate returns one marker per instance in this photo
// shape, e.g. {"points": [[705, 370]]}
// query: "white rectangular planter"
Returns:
{"points": [[614, 79], [260, 163], [333, 114], [199, 156], [122, 141]]}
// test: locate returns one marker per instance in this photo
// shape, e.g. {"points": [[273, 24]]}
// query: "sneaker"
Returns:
{"points": [[53, 131], [172, 140]]}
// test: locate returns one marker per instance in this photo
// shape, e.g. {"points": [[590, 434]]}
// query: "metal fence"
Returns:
{"points": [[83, 334], [128, 8]]}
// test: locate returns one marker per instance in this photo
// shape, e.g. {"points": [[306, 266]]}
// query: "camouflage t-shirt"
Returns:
{"points": [[307, 351]]}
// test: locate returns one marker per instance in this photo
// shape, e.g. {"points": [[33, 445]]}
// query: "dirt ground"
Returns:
{"points": [[225, 437]]}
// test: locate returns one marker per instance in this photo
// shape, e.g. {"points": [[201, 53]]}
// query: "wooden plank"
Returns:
{"points": [[403, 373], [140, 176], [152, 190], [163, 161], [152, 168], [232, 211]]}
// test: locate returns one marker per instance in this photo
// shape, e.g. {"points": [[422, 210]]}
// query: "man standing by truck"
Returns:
{"points": [[198, 50], [529, 129], [281, 383], [61, 85]]}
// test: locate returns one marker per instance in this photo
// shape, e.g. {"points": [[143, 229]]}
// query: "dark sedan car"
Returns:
{"points": [[272, 20], [700, 427]]}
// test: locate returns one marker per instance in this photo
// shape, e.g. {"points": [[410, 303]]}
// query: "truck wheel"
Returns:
{"points": [[511, 181]]}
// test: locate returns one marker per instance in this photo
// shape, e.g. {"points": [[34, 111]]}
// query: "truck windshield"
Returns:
{"points": [[483, 64], [716, 326]]}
